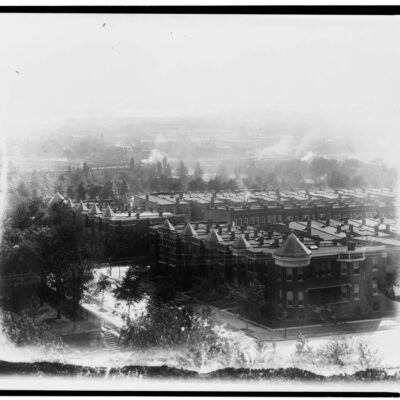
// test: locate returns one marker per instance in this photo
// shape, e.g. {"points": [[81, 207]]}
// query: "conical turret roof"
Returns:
{"points": [[292, 248], [109, 213], [189, 230], [94, 210], [57, 197], [213, 237], [168, 225], [82, 207], [241, 243], [70, 203]]}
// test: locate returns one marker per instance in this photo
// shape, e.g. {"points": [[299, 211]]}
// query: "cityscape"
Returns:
{"points": [[253, 241]]}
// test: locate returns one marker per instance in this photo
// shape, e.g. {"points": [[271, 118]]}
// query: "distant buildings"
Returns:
{"points": [[263, 209]]}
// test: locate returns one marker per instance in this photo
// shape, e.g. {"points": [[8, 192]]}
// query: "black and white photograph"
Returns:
{"points": [[199, 200]]}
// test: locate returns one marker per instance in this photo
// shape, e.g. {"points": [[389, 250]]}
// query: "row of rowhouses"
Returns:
{"points": [[306, 279]]}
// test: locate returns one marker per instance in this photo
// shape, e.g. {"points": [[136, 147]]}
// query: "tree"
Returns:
{"points": [[108, 191], [94, 190], [166, 167], [81, 192], [132, 164], [130, 289], [159, 169], [102, 285], [197, 184], [336, 179], [182, 173], [198, 171], [24, 331], [76, 278]]}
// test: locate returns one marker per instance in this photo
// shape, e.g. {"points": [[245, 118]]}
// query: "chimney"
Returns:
{"points": [[177, 200], [181, 195], [232, 235], [351, 228], [196, 226], [327, 222], [228, 227], [269, 234], [160, 213], [137, 215], [309, 223], [129, 213], [147, 197], [276, 242], [381, 220], [208, 228], [115, 210], [261, 240], [388, 228], [255, 232], [338, 228], [220, 230], [247, 235]]}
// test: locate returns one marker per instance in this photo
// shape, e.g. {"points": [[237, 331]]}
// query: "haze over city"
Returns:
{"points": [[339, 74]]}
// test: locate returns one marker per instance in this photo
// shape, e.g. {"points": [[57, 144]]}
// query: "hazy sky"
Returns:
{"points": [[343, 70]]}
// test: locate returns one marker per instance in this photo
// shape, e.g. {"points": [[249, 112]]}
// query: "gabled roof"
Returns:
{"points": [[189, 230], [241, 243], [168, 225], [109, 213], [56, 197], [82, 207], [94, 210], [70, 203], [213, 237], [292, 248]]}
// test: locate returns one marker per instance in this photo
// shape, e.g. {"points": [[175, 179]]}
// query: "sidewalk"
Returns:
{"points": [[236, 323]]}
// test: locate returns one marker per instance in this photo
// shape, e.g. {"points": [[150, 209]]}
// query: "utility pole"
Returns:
{"points": [[285, 326]]}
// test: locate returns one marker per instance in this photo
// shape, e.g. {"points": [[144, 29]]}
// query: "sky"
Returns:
{"points": [[341, 70]]}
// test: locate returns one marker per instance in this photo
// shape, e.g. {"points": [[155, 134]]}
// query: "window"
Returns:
{"points": [[343, 290], [356, 268], [300, 298], [322, 271], [317, 271], [257, 221], [356, 291], [239, 221], [289, 274], [245, 221], [374, 263], [289, 299], [343, 268], [375, 287], [269, 219], [280, 296], [300, 274], [263, 220], [251, 220], [279, 273], [329, 268], [276, 218]]}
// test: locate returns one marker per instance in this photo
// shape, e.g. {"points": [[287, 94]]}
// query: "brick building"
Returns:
{"points": [[306, 279]]}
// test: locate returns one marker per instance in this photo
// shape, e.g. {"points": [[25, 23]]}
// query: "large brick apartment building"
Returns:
{"points": [[307, 277]]}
